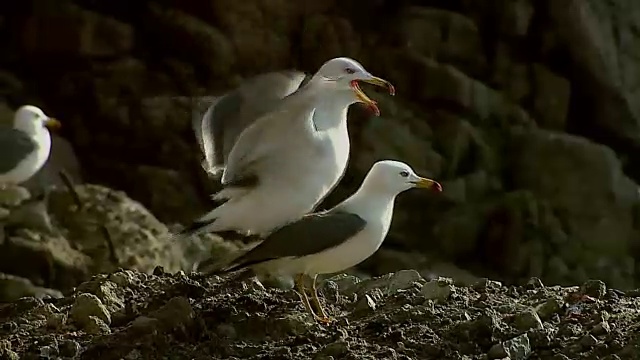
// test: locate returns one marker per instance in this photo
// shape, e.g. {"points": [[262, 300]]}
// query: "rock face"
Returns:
{"points": [[64, 240], [527, 111], [131, 315]]}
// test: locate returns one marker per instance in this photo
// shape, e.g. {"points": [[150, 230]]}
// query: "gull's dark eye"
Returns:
{"points": [[404, 173], [349, 71]]}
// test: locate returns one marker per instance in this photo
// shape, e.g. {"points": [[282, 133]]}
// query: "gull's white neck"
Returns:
{"points": [[372, 204], [331, 107]]}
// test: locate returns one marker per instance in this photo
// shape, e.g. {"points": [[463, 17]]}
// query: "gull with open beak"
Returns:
{"points": [[337, 239], [25, 147], [287, 161], [229, 114]]}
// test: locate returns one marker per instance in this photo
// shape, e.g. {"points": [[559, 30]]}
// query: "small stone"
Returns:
{"points": [[69, 348], [527, 320], [9, 327], [439, 289], [594, 288], [9, 355], [344, 282], [158, 271], [486, 284], [541, 338], [403, 279], [336, 349], [86, 306], [123, 278], [96, 326], [588, 341], [56, 321], [547, 309], [389, 284], [176, 312], [145, 324], [601, 329], [517, 348], [534, 283], [365, 304], [49, 351], [5, 351]]}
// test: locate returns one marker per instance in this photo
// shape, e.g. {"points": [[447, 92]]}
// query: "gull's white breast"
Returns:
{"points": [[30, 165]]}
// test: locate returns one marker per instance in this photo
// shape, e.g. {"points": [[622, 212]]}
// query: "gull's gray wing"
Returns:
{"points": [[311, 234], [200, 109], [232, 113], [273, 135], [15, 145]]}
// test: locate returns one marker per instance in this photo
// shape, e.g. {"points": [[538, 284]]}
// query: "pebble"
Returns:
{"points": [[390, 283], [344, 282], [56, 321], [69, 348], [96, 326], [601, 328], [534, 283], [87, 306], [123, 278], [594, 288], [527, 320], [588, 341], [6, 352], [517, 348], [486, 284], [547, 309], [438, 289], [365, 304]]}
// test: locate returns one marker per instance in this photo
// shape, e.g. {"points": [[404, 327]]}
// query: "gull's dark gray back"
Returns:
{"points": [[14, 147], [309, 235], [233, 112]]}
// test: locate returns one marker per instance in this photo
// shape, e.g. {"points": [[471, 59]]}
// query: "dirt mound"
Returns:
{"points": [[131, 315]]}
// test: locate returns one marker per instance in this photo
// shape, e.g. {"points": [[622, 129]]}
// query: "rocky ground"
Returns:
{"points": [[131, 315]]}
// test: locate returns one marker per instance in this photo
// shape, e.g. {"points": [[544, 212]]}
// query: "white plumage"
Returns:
{"points": [[338, 239], [287, 161], [25, 148]]}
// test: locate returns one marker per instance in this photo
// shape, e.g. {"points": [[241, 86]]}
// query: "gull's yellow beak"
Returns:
{"points": [[364, 98], [52, 123], [425, 183], [374, 80]]}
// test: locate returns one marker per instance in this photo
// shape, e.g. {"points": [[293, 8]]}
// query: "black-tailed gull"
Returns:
{"points": [[25, 147], [288, 160], [337, 239]]}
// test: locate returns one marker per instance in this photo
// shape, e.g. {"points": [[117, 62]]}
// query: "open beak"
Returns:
{"points": [[364, 98], [425, 183], [380, 82], [52, 123]]}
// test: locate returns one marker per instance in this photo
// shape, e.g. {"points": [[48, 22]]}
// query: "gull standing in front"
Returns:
{"points": [[337, 239], [285, 163]]}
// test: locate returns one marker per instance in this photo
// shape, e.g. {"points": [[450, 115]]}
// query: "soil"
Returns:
{"points": [[132, 315]]}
